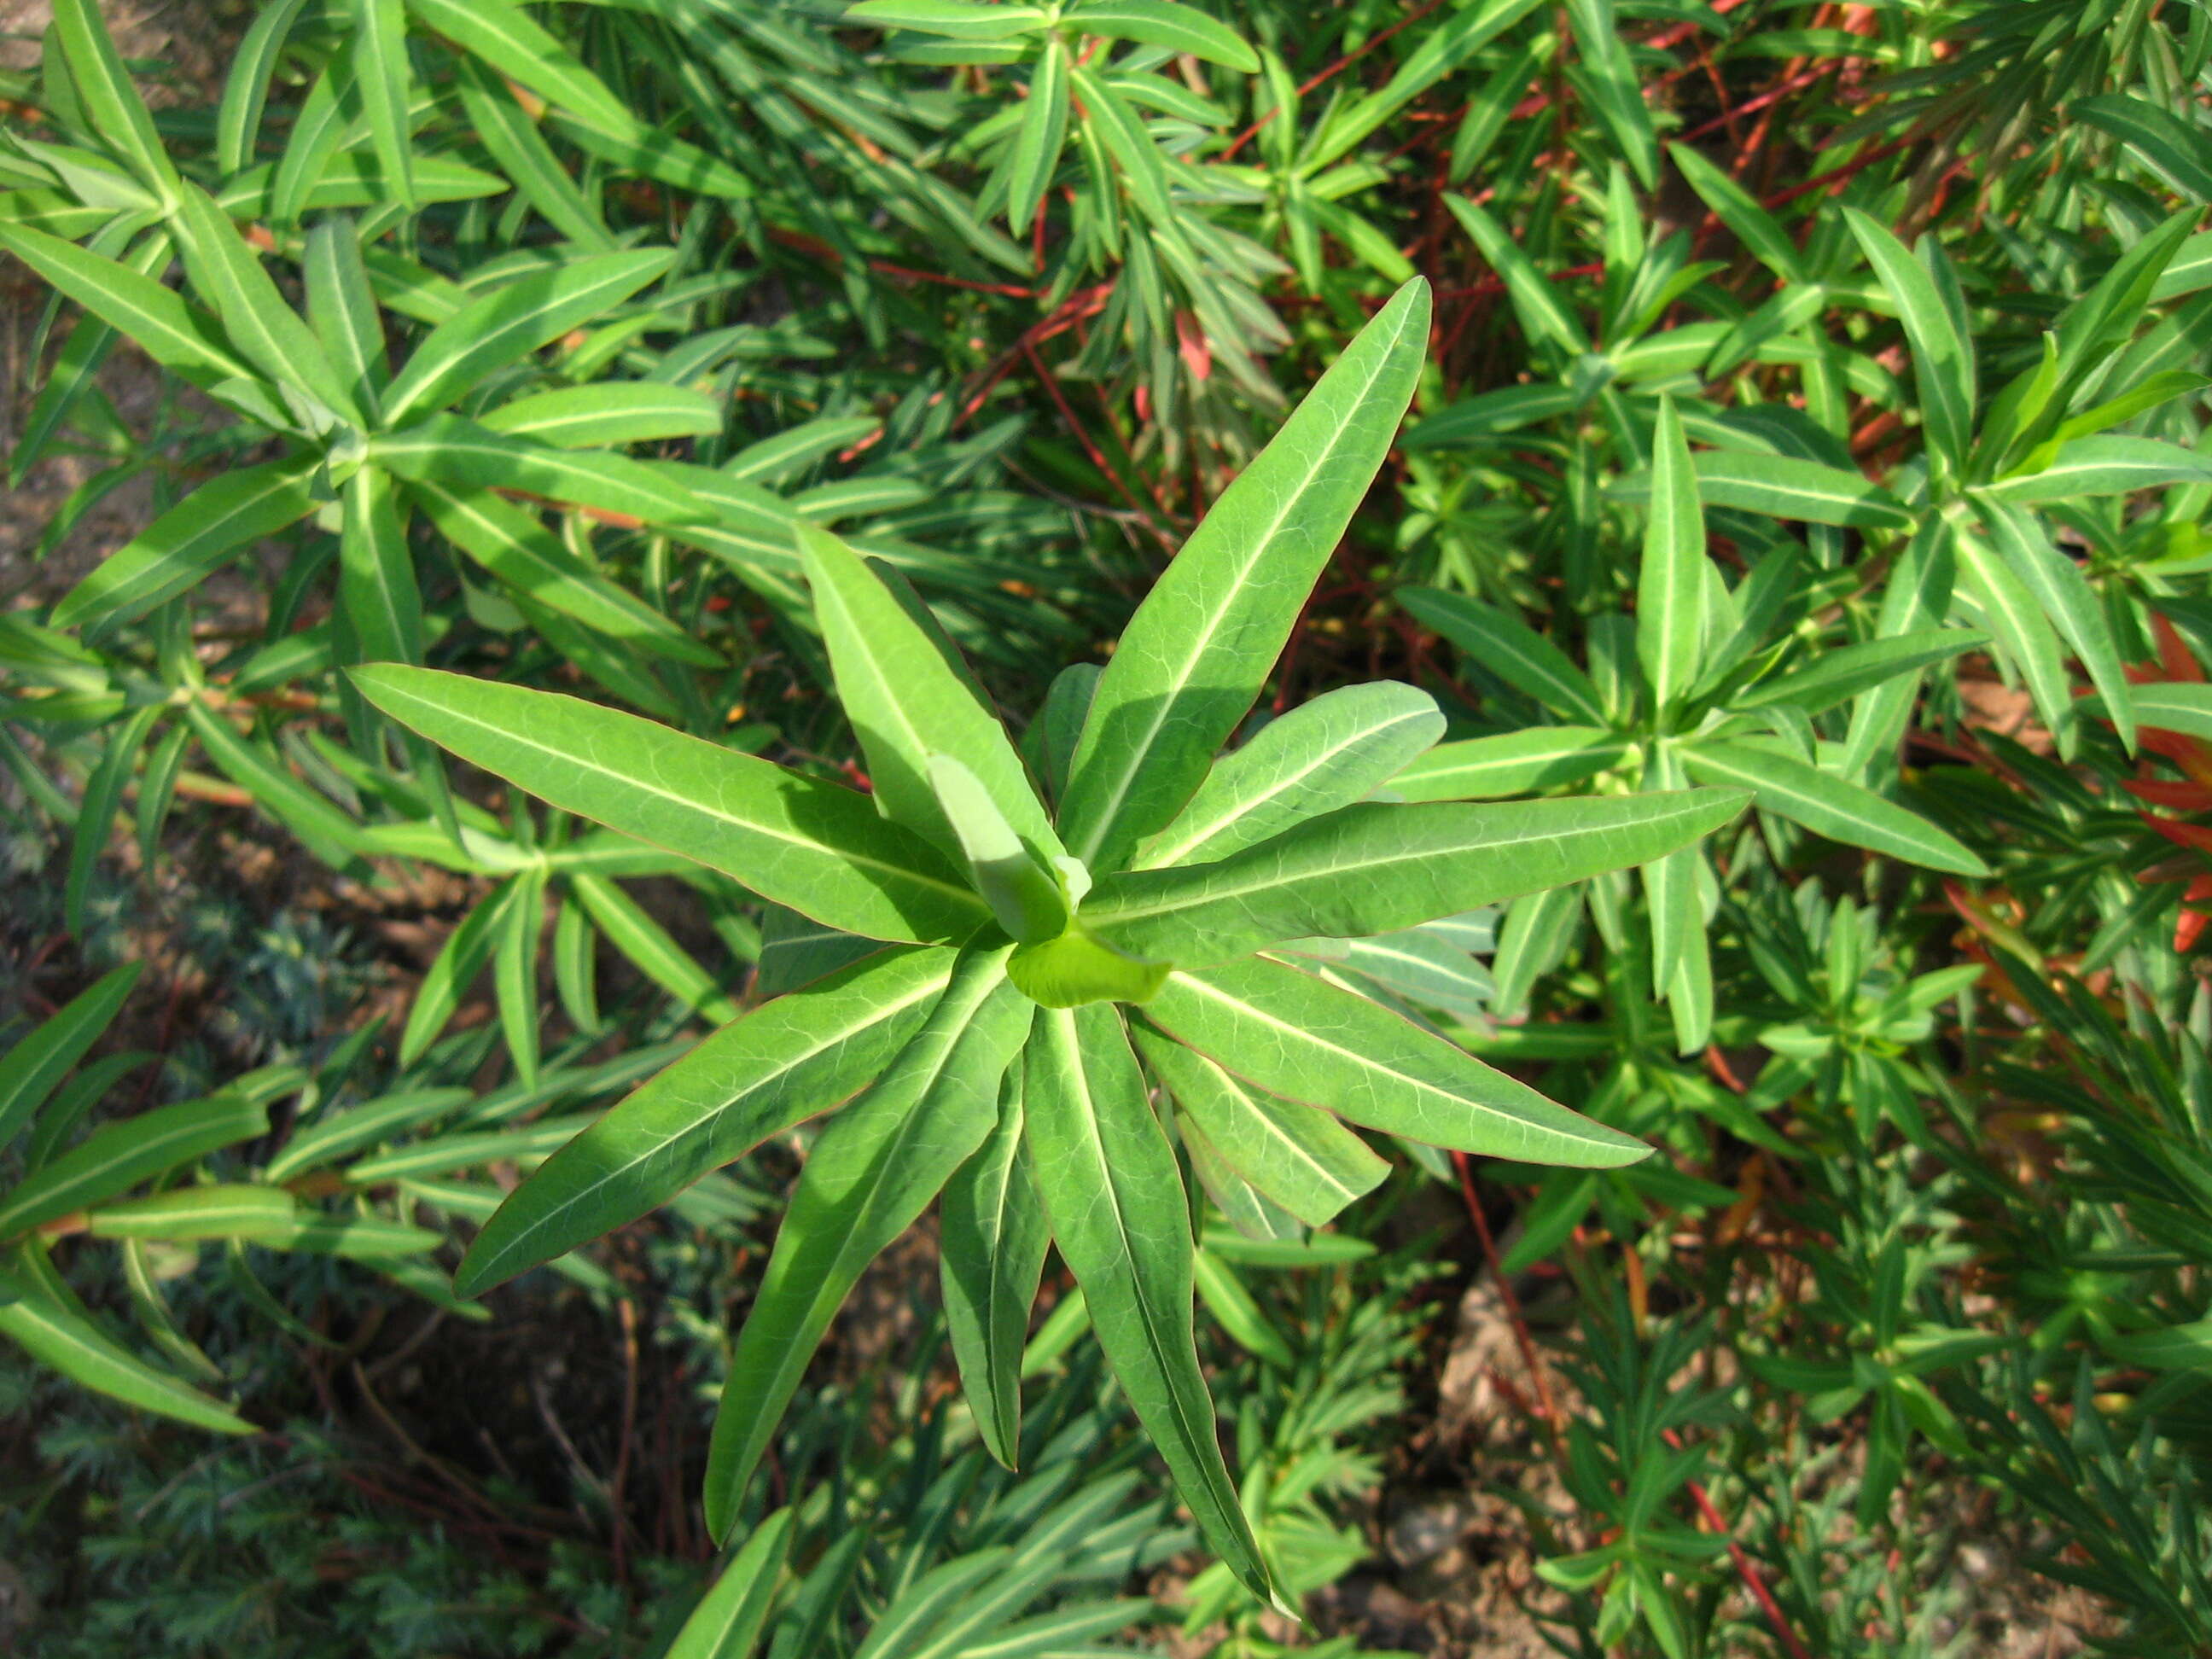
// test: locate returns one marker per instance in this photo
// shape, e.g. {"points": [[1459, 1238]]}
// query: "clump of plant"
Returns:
{"points": [[1044, 959]]}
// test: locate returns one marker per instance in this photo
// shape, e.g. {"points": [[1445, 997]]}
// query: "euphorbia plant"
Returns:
{"points": [[1063, 925]]}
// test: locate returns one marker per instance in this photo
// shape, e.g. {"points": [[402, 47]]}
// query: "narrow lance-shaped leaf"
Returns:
{"points": [[1670, 884], [1378, 867], [213, 525], [907, 704], [870, 1176], [1943, 363], [1509, 763], [817, 848], [1119, 1216], [1193, 657], [1337, 748], [65, 1340], [116, 1157], [1297, 1155], [1508, 647], [728, 1621], [2068, 602], [994, 1238], [785, 1061], [265, 330], [515, 546], [164, 327], [34, 1067], [514, 320], [1828, 805], [1297, 1036], [1670, 612], [384, 77]]}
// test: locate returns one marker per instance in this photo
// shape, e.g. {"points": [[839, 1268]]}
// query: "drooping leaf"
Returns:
{"points": [[871, 1173], [1112, 1188], [790, 1058], [1296, 1036]]}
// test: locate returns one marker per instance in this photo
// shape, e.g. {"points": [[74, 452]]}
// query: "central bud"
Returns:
{"points": [[1074, 969]]}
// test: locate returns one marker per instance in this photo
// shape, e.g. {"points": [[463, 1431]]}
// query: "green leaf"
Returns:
{"points": [[266, 331], [1380, 866], [2168, 706], [513, 321], [606, 412], [905, 704], [1828, 805], [342, 309], [460, 455], [1670, 590], [634, 147], [369, 1124], [517, 548], [1040, 139], [376, 572], [1075, 968], [1193, 657], [785, 1061], [503, 35], [1510, 648], [1297, 1036], [1114, 1191], [1942, 361], [956, 20], [1510, 763], [632, 930], [97, 807], [33, 1068], [816, 847], [728, 1621], [214, 523], [112, 106], [382, 73], [231, 1211], [1165, 24], [1029, 904], [2170, 147], [463, 955], [1336, 749], [992, 1239], [1535, 301], [2069, 603], [1837, 675], [57, 1336], [168, 330], [116, 1157], [1295, 1155], [869, 1178], [2107, 464], [1785, 487]]}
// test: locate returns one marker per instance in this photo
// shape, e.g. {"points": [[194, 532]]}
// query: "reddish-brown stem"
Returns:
{"points": [[1744, 1567], [1335, 68], [1547, 1402]]}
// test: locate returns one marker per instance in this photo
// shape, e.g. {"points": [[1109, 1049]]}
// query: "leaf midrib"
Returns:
{"points": [[1167, 858], [839, 854], [1369, 1066], [875, 1016], [1321, 872], [1134, 754]]}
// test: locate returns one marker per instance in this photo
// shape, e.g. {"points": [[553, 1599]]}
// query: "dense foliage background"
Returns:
{"points": [[1900, 1346]]}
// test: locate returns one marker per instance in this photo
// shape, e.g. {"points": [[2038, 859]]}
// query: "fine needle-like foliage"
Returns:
{"points": [[1071, 939]]}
